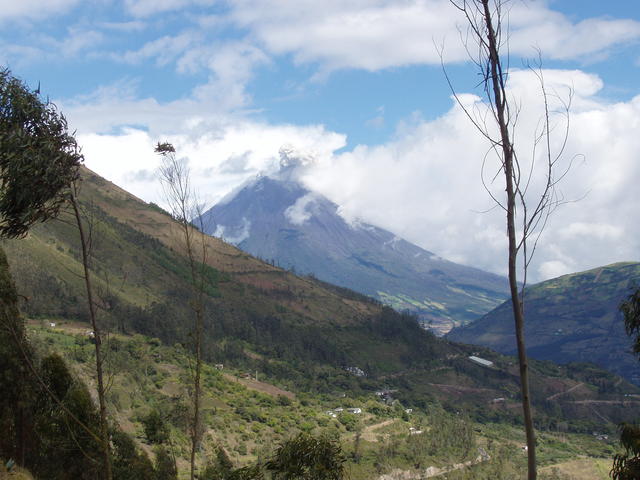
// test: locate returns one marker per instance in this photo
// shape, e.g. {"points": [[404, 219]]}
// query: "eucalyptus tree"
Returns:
{"points": [[39, 160]]}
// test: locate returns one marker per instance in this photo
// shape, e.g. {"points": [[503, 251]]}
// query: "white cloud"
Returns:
{"points": [[164, 49], [554, 268], [235, 237], [126, 27], [146, 8], [379, 34], [75, 42], [230, 65], [602, 231], [34, 9], [558, 38], [45, 47], [117, 133], [424, 185], [299, 213]]}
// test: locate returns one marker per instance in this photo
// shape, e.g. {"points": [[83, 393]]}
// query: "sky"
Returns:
{"points": [[357, 89]]}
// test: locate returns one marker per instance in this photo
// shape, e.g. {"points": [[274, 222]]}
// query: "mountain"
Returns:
{"points": [[281, 221], [296, 332], [573, 318]]}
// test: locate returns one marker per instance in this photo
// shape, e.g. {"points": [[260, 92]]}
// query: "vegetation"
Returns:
{"points": [[46, 416], [627, 465], [247, 420], [42, 409], [176, 181], [39, 159], [307, 458]]}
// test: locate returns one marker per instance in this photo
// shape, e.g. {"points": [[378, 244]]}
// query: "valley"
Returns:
{"points": [[248, 418], [314, 348]]}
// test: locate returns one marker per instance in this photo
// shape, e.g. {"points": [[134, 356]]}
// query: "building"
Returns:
{"points": [[481, 361]]}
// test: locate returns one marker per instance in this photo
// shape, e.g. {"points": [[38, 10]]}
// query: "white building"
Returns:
{"points": [[481, 361]]}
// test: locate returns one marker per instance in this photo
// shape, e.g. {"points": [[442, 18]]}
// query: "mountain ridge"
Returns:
{"points": [[573, 317], [281, 221]]}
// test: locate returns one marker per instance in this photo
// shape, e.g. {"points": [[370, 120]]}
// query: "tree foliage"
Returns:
{"points": [[39, 158], [221, 468], [306, 457], [155, 428], [630, 308], [626, 466]]}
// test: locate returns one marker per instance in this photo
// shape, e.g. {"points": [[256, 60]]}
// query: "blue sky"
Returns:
{"points": [[354, 85]]}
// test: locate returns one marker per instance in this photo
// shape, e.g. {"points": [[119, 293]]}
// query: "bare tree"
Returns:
{"points": [[528, 203], [85, 246], [183, 206]]}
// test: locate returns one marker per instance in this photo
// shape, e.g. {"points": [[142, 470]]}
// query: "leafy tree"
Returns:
{"points": [[128, 462], [165, 465], [39, 159], [14, 383], [219, 468], [306, 457], [626, 466], [222, 469], [63, 444], [155, 428]]}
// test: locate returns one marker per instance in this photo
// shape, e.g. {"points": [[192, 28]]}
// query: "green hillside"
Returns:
{"points": [[297, 334], [248, 417], [573, 318]]}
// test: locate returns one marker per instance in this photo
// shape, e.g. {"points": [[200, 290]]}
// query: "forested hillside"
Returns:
{"points": [[573, 318]]}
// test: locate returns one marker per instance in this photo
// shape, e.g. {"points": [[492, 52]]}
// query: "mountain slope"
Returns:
{"points": [[568, 319], [298, 333], [281, 221]]}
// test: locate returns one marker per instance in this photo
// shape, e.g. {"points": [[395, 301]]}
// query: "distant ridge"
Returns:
{"points": [[281, 221], [573, 318]]}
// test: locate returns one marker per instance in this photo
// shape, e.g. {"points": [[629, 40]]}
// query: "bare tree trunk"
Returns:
{"points": [[518, 310], [198, 329], [104, 427]]}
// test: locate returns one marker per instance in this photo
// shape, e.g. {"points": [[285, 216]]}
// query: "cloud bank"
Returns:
{"points": [[423, 185]]}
